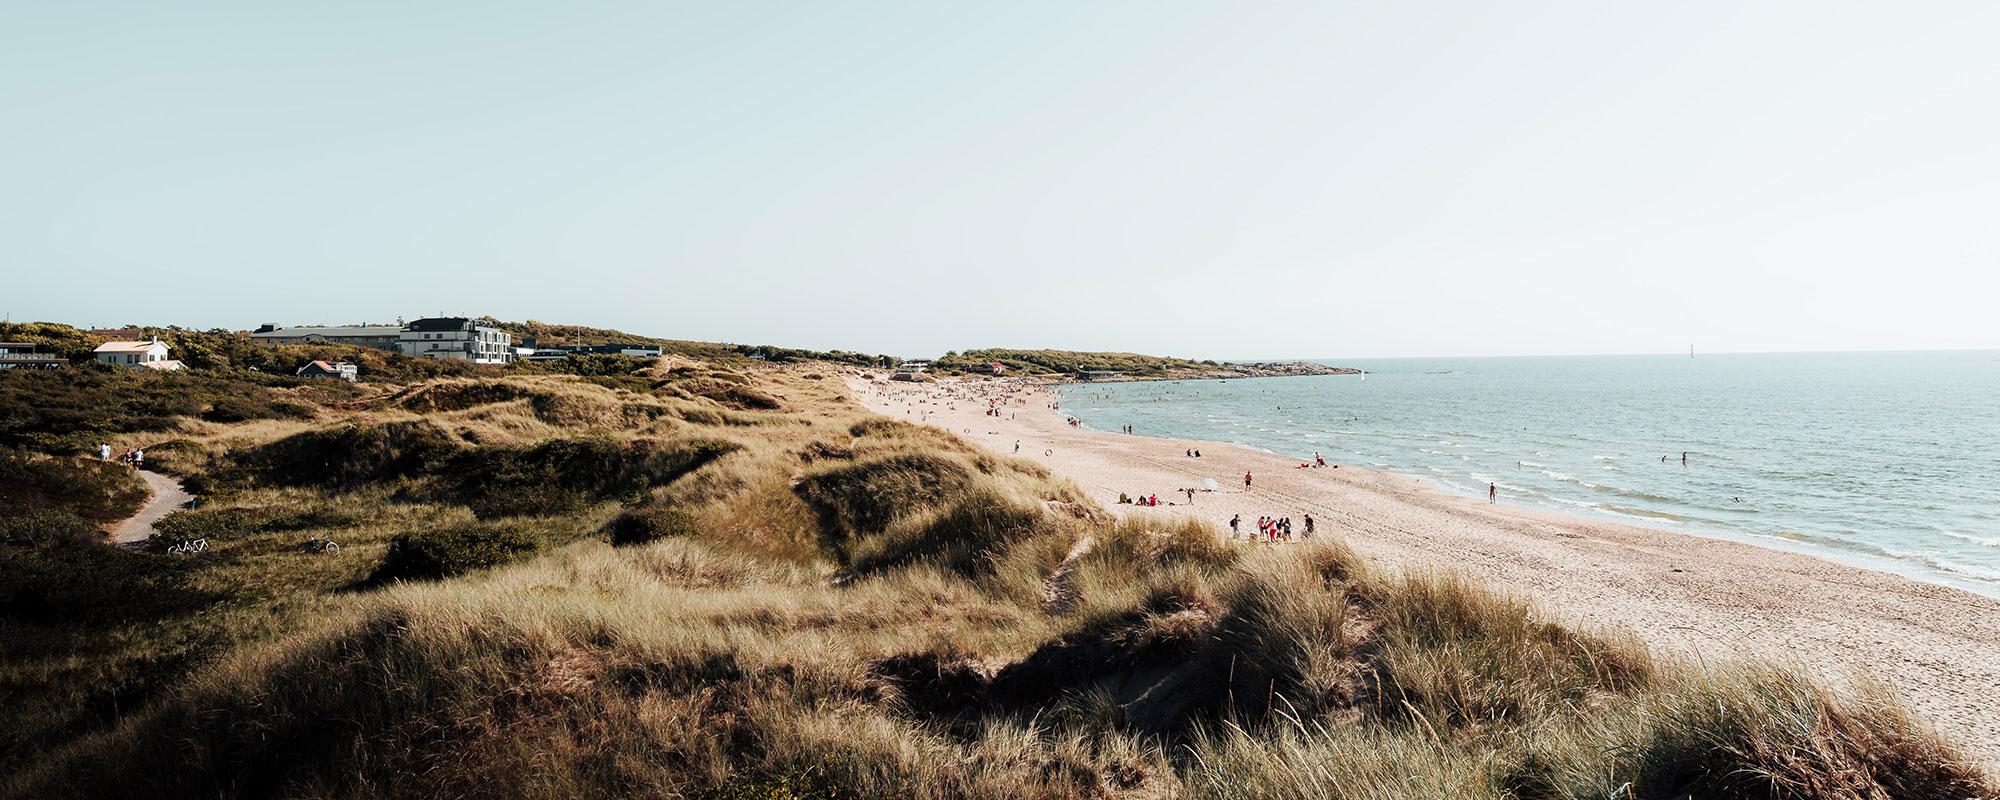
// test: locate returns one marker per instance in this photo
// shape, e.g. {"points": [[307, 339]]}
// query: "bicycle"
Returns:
{"points": [[320, 544], [188, 548]]}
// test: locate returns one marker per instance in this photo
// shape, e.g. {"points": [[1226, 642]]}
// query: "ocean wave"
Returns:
{"points": [[1938, 562], [1578, 503], [1982, 541], [1635, 494], [1646, 514]]}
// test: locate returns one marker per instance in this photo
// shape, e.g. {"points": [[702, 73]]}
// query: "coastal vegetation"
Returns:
{"points": [[722, 578], [1127, 365], [580, 334]]}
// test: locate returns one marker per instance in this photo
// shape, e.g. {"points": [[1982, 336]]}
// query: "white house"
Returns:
{"points": [[330, 369], [147, 354]]}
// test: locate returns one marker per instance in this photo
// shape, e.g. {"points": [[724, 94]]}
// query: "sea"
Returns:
{"points": [[1889, 461]]}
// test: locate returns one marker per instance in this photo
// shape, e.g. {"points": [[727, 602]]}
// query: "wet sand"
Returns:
{"points": [[1937, 647]]}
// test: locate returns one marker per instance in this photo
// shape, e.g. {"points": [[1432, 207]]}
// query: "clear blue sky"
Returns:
{"points": [[1204, 179]]}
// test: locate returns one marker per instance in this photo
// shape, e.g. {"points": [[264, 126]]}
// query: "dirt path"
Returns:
{"points": [[168, 497]]}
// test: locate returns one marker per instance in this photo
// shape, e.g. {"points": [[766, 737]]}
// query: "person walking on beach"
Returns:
{"points": [[1235, 524], [1309, 526], [1246, 480], [1017, 447], [1492, 492], [104, 452]]}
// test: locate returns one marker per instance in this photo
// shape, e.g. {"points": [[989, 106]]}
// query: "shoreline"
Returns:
{"points": [[1853, 557], [1936, 647]]}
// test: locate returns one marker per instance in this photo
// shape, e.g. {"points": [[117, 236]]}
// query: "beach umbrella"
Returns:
{"points": [[1208, 484]]}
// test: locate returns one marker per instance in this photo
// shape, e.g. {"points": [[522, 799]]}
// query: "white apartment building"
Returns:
{"points": [[456, 338]]}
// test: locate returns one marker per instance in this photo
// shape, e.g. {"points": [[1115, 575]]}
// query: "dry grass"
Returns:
{"points": [[839, 605]]}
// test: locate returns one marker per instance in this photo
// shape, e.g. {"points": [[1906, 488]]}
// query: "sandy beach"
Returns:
{"points": [[1935, 646]]}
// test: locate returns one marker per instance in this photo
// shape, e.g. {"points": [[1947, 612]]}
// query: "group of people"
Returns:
{"points": [[1272, 529], [1193, 453], [1154, 499], [134, 457], [1317, 462]]}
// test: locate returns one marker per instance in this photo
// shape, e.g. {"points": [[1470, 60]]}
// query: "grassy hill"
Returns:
{"points": [[727, 580], [1129, 365], [712, 351]]}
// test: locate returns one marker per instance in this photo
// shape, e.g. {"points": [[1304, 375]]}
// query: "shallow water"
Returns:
{"points": [[1886, 460]]}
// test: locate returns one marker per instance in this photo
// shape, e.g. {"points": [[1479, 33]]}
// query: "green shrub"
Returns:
{"points": [[348, 455], [70, 410], [1152, 541], [861, 498], [651, 524], [443, 553], [967, 537], [229, 523], [585, 364], [458, 396], [89, 489], [56, 570], [576, 410], [564, 475], [1062, 361], [729, 389], [243, 408]]}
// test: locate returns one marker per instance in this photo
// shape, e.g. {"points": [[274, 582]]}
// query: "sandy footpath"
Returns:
{"points": [[167, 498], [1937, 647]]}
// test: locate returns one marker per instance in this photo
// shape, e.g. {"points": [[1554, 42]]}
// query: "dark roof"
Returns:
{"points": [[439, 324], [348, 331]]}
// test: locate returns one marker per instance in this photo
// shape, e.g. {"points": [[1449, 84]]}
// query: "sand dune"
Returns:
{"points": [[1937, 647]]}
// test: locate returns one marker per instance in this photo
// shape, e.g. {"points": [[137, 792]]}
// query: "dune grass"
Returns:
{"points": [[663, 590]]}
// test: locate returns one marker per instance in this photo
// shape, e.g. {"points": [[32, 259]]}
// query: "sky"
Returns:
{"points": [[1212, 180]]}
